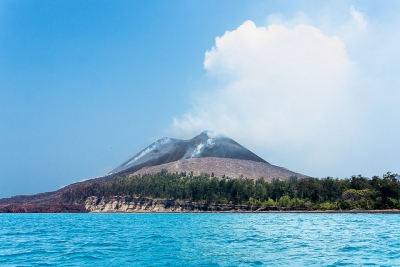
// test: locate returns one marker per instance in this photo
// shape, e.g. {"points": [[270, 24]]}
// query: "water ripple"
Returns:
{"points": [[199, 239]]}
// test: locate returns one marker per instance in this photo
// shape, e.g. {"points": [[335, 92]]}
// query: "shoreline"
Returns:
{"points": [[390, 211], [222, 212], [149, 205]]}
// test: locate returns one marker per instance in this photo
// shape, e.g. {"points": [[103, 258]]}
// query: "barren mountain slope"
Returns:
{"points": [[165, 150], [224, 167]]}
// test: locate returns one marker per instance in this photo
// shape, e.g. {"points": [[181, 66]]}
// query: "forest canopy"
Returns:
{"points": [[357, 192]]}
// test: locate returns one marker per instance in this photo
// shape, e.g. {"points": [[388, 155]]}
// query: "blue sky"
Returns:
{"points": [[84, 85]]}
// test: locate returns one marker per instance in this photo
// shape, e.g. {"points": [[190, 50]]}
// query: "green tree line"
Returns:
{"points": [[357, 192]]}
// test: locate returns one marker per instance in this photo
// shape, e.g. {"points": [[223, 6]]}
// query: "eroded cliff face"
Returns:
{"points": [[129, 204]]}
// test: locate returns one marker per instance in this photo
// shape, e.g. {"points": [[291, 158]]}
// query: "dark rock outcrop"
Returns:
{"points": [[42, 208]]}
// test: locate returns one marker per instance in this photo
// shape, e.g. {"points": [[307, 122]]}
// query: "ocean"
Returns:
{"points": [[205, 239]]}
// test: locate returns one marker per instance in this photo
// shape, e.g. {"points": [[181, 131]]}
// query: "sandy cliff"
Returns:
{"points": [[129, 204]]}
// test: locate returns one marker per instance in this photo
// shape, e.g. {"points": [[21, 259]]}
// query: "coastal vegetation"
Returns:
{"points": [[357, 192]]}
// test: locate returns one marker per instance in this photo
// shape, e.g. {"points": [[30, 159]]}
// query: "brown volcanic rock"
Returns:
{"points": [[48, 197], [224, 167], [41, 208]]}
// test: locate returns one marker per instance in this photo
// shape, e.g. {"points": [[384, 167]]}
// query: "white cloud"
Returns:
{"points": [[358, 19], [285, 85], [289, 90]]}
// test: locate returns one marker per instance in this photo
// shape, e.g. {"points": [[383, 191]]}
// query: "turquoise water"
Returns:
{"points": [[199, 240]]}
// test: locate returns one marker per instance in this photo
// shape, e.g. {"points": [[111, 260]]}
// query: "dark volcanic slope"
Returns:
{"points": [[165, 150], [48, 197], [233, 168]]}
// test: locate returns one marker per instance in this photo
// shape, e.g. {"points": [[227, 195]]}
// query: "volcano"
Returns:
{"points": [[207, 153], [205, 145]]}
